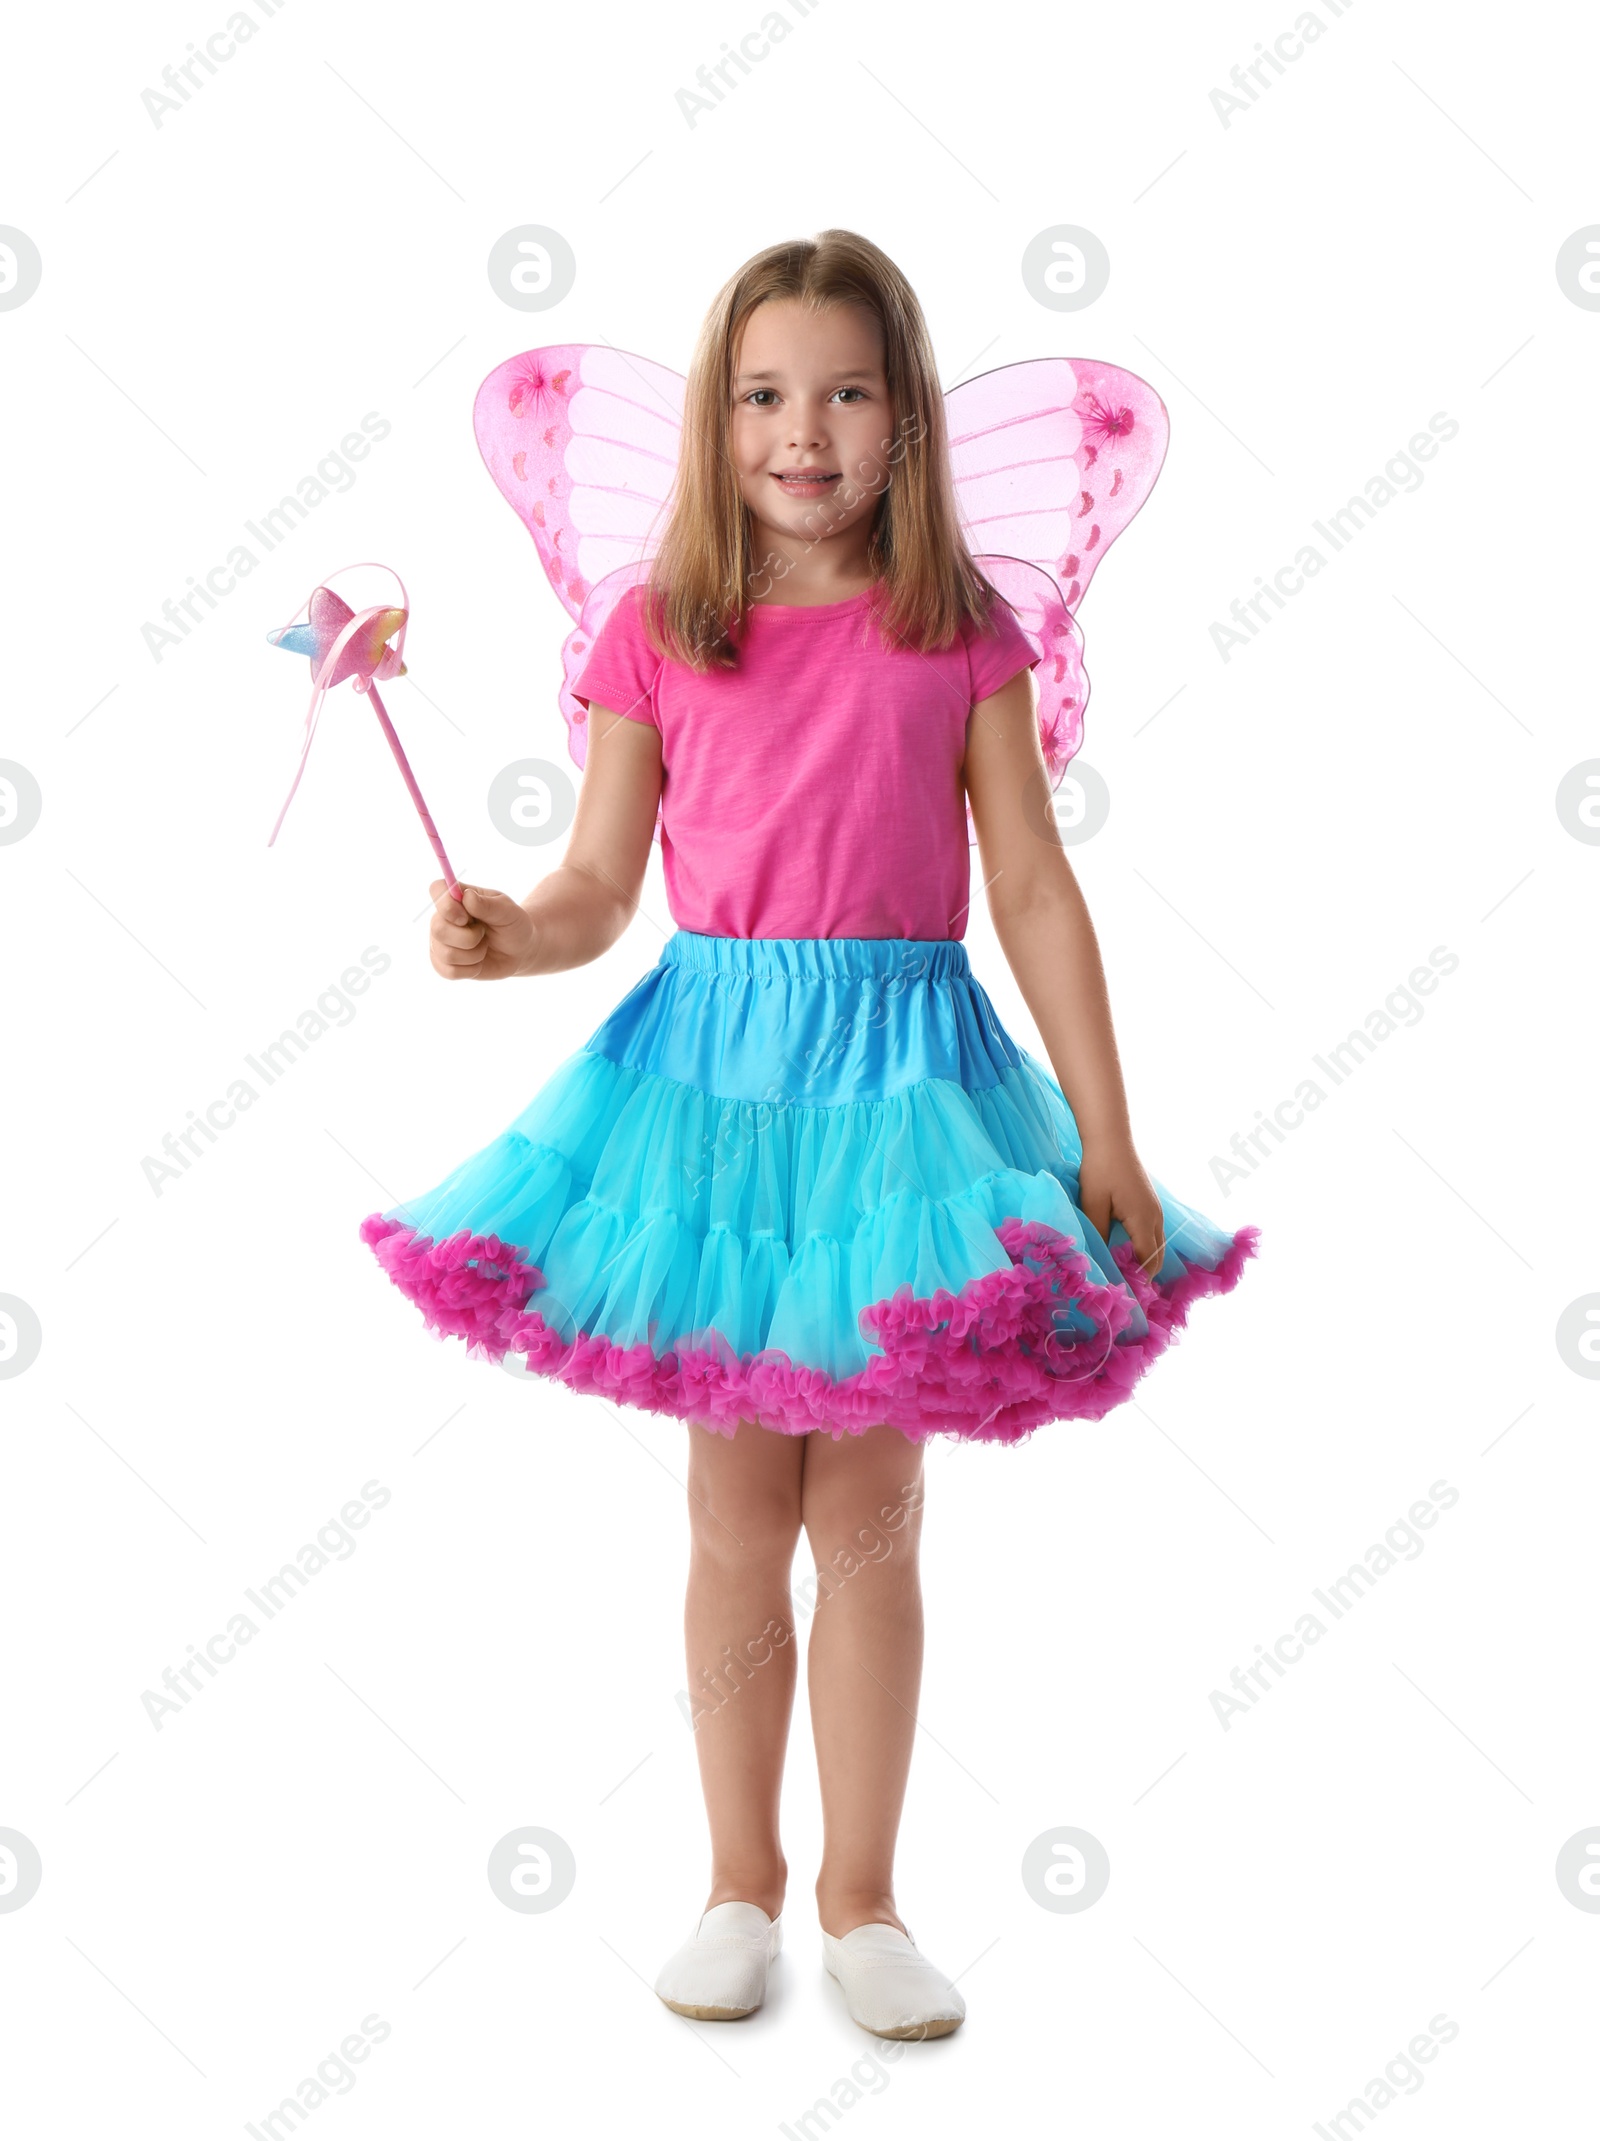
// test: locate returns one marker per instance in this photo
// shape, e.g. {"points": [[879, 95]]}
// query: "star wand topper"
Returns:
{"points": [[361, 646]]}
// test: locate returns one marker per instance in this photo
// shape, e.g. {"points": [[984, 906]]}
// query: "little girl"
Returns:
{"points": [[801, 1190]]}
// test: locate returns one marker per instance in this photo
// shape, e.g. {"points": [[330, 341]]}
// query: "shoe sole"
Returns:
{"points": [[706, 2014], [941, 2028]]}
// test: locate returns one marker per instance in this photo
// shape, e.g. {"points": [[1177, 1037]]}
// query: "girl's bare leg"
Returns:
{"points": [[861, 1504], [744, 1523]]}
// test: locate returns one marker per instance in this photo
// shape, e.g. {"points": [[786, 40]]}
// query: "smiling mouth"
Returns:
{"points": [[807, 479]]}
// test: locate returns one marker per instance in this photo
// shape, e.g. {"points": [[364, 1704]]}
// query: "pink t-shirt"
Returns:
{"points": [[814, 791]]}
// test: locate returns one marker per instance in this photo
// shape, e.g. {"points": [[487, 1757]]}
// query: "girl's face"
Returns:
{"points": [[809, 394]]}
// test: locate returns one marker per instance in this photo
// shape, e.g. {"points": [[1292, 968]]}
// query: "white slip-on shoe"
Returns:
{"points": [[889, 1985], [720, 1972]]}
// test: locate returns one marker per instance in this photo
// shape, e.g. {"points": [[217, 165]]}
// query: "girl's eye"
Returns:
{"points": [[756, 392]]}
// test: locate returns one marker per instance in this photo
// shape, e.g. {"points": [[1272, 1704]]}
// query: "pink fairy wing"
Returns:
{"points": [[1063, 686], [1051, 460], [583, 442], [598, 604]]}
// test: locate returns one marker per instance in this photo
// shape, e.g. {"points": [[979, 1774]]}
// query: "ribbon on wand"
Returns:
{"points": [[360, 646]]}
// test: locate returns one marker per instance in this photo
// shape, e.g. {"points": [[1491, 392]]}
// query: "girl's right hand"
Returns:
{"points": [[483, 936]]}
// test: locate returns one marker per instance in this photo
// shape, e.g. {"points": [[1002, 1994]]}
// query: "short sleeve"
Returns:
{"points": [[622, 667], [996, 661]]}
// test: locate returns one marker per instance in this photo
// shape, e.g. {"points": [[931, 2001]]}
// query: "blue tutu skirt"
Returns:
{"points": [[809, 1182]]}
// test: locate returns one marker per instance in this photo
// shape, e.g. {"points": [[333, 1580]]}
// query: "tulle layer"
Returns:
{"points": [[987, 1364], [917, 1259]]}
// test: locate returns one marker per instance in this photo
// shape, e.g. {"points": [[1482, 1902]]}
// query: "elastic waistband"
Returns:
{"points": [[819, 958]]}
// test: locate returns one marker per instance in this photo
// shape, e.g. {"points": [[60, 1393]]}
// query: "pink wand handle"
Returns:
{"points": [[410, 779]]}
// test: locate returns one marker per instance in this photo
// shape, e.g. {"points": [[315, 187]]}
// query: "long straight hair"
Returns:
{"points": [[926, 583]]}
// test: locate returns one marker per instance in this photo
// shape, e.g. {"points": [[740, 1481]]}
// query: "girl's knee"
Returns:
{"points": [[845, 1535], [744, 1496], [745, 1532], [871, 1484]]}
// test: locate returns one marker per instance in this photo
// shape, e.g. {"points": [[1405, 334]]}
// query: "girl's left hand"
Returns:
{"points": [[1112, 1184]]}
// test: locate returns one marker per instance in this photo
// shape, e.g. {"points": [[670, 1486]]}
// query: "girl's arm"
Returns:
{"points": [[588, 900], [1048, 939]]}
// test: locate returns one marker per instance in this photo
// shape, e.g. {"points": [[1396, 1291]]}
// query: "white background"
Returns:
{"points": [[1292, 831]]}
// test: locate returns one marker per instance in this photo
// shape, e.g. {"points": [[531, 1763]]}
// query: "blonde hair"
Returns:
{"points": [[927, 583]]}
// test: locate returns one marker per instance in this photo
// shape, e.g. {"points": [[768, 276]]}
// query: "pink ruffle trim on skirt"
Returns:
{"points": [[987, 1363]]}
